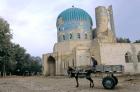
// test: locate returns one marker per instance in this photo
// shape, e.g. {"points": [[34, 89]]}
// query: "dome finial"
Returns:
{"points": [[72, 6]]}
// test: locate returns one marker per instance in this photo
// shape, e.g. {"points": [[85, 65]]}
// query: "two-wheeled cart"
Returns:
{"points": [[109, 81]]}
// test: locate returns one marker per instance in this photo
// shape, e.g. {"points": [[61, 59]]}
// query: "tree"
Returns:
{"points": [[36, 64], [13, 57], [19, 54], [123, 40], [5, 44], [137, 41]]}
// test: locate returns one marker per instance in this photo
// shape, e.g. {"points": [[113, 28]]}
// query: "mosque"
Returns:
{"points": [[78, 41]]}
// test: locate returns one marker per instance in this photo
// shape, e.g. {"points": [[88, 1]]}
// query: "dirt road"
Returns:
{"points": [[61, 84]]}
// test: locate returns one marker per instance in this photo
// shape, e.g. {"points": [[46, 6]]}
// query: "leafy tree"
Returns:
{"points": [[5, 44], [137, 41], [36, 64], [19, 55], [13, 57], [123, 40]]}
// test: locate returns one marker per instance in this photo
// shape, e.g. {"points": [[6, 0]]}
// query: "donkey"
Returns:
{"points": [[75, 73]]}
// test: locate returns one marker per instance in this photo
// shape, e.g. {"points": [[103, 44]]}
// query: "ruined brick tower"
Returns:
{"points": [[105, 30]]}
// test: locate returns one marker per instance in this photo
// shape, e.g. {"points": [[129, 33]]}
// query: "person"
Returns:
{"points": [[94, 62]]}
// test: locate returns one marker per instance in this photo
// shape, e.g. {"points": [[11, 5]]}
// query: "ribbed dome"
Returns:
{"points": [[73, 14]]}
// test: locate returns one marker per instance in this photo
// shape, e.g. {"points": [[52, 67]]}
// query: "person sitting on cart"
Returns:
{"points": [[94, 62]]}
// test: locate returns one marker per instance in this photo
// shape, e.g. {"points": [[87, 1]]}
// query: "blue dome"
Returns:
{"points": [[74, 16]]}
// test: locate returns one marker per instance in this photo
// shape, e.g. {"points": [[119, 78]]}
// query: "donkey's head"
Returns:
{"points": [[70, 72]]}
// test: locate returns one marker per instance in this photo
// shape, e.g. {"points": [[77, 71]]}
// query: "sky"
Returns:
{"points": [[33, 22]]}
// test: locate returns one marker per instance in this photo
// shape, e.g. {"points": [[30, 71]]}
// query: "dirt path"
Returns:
{"points": [[43, 84]]}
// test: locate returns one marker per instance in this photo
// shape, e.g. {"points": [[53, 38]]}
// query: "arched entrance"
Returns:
{"points": [[51, 66]]}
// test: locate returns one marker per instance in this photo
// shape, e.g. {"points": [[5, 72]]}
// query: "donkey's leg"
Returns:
{"points": [[91, 81], [77, 82], [90, 84]]}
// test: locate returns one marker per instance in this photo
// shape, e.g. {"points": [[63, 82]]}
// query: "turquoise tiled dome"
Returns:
{"points": [[70, 18]]}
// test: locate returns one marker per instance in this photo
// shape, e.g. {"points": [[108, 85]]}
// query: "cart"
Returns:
{"points": [[110, 80]]}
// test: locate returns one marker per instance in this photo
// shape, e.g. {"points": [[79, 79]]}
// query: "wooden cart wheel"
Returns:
{"points": [[108, 82]]}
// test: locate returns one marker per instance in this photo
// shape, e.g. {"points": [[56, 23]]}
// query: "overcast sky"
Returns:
{"points": [[33, 22]]}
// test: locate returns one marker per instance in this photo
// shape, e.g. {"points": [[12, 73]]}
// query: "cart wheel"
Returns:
{"points": [[116, 79], [108, 82]]}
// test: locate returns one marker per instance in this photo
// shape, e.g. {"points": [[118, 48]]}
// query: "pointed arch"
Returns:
{"points": [[128, 57], [86, 36], [70, 35], [78, 35], [138, 56], [51, 66], [64, 37]]}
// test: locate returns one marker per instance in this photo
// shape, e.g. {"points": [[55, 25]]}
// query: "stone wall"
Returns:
{"points": [[68, 53], [44, 60], [82, 56], [114, 53]]}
